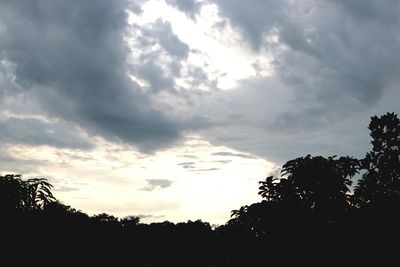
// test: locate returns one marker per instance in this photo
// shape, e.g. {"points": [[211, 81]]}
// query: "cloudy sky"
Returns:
{"points": [[174, 109]]}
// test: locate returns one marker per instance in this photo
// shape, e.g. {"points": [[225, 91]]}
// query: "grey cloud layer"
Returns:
{"points": [[332, 61], [230, 154], [335, 62], [36, 132], [70, 58], [153, 42], [333, 55], [189, 7]]}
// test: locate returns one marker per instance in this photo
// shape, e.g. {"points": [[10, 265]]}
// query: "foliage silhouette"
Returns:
{"points": [[316, 183], [382, 177], [20, 195], [310, 210], [377, 193]]}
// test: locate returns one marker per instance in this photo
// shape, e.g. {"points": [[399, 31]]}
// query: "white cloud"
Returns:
{"points": [[215, 46]]}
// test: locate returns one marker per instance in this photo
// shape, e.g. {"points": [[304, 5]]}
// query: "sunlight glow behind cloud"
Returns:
{"points": [[215, 46]]}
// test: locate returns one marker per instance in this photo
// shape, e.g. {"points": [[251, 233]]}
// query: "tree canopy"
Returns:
{"points": [[381, 179], [315, 207]]}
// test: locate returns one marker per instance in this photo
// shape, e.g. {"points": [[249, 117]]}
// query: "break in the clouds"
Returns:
{"points": [[270, 79]]}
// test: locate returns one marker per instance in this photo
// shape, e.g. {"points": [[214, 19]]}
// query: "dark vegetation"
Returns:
{"points": [[317, 212]]}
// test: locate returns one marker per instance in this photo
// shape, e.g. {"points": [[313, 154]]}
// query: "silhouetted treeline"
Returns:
{"points": [[344, 210]]}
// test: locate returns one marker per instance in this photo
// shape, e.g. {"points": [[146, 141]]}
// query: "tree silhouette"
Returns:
{"points": [[12, 193], [277, 190], [309, 210], [38, 193], [130, 221], [317, 183], [377, 193], [24, 195], [381, 180]]}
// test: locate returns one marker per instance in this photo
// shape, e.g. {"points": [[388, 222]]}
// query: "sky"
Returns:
{"points": [[175, 109]]}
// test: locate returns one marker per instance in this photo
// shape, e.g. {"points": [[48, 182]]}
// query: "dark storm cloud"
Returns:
{"points": [[153, 184], [70, 58]]}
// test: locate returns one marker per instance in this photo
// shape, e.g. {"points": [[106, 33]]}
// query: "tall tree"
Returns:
{"points": [[381, 180]]}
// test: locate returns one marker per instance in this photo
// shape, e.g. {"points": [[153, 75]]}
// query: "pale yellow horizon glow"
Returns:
{"points": [[112, 178], [195, 180]]}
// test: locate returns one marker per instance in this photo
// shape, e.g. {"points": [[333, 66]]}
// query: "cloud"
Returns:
{"points": [[191, 166], [157, 54], [253, 18], [189, 7], [230, 154], [207, 170], [323, 52], [223, 161], [85, 69], [332, 64], [36, 132], [162, 32], [187, 165], [153, 184], [9, 163], [69, 58], [188, 156], [5, 156]]}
